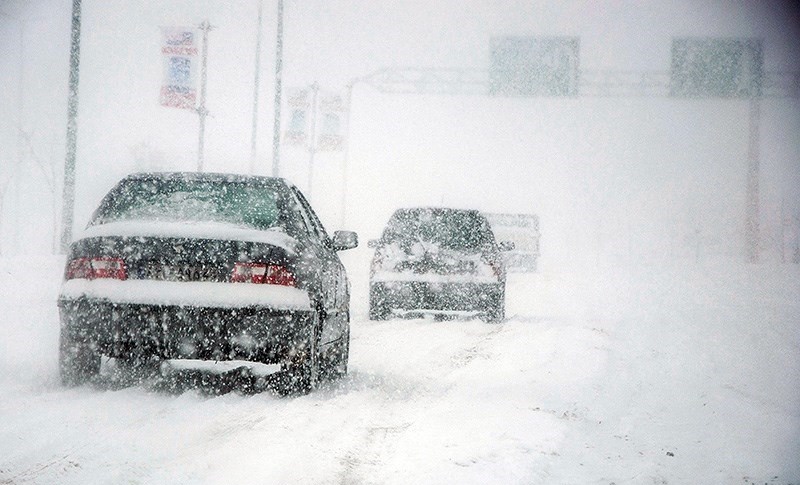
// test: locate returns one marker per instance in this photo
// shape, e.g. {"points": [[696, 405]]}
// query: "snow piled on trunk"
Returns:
{"points": [[684, 374], [187, 293]]}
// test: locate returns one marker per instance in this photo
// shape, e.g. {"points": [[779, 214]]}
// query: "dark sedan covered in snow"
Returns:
{"points": [[183, 267], [438, 261]]}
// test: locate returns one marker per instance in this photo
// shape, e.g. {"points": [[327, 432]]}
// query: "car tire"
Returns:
{"points": [[495, 309], [78, 363], [340, 354], [378, 310], [302, 374]]}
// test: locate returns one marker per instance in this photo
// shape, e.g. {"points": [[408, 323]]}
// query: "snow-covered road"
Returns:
{"points": [[679, 375]]}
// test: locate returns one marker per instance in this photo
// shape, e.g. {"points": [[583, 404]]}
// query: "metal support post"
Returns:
{"points": [[254, 135], [202, 112], [312, 138], [752, 238], [345, 158], [68, 206], [276, 129]]}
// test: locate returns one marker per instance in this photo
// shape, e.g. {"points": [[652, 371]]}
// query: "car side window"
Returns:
{"points": [[300, 212], [312, 221], [484, 235], [486, 228], [290, 218]]}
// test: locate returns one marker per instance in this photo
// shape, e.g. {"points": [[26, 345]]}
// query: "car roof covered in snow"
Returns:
{"points": [[205, 176], [436, 210]]}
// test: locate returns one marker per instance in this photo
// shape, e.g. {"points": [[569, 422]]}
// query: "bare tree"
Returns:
{"points": [[9, 172], [46, 168]]}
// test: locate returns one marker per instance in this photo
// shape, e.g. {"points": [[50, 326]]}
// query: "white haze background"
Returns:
{"points": [[644, 332]]}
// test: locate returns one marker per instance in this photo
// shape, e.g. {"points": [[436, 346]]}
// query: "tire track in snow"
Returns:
{"points": [[466, 356], [61, 465], [392, 417]]}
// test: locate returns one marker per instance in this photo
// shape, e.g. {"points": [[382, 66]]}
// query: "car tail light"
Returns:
{"points": [[270, 274], [96, 268]]}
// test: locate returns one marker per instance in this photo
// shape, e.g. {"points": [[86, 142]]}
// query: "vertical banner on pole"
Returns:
{"points": [[179, 52], [299, 106], [332, 121], [317, 123], [330, 118]]}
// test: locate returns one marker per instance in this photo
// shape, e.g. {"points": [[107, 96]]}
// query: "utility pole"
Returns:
{"points": [[253, 136], [276, 129], [349, 102], [312, 139], [68, 207], [345, 158], [752, 236], [202, 112]]}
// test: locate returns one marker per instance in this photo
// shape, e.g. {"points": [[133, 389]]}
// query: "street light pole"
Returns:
{"points": [[349, 106], [276, 129], [68, 206], [256, 76], [752, 236], [202, 112], [312, 139]]}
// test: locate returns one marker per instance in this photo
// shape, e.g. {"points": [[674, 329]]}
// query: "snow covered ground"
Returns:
{"points": [[683, 374]]}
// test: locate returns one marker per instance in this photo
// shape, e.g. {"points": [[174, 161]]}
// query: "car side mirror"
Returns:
{"points": [[505, 245], [344, 240]]}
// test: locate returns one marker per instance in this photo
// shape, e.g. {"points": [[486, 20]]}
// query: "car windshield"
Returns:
{"points": [[451, 229], [237, 203]]}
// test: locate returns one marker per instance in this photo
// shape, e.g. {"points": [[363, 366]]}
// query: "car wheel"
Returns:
{"points": [[495, 309], [340, 354], [78, 363], [378, 310], [302, 374]]}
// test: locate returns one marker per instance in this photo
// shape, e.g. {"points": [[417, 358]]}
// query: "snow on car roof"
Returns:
{"points": [[208, 176], [435, 209]]}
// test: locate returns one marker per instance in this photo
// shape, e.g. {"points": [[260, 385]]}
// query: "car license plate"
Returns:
{"points": [[167, 272]]}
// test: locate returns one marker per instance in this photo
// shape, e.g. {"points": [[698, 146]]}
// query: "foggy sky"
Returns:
{"points": [[604, 174]]}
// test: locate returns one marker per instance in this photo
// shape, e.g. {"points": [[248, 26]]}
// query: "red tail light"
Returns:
{"points": [[270, 274], [95, 268]]}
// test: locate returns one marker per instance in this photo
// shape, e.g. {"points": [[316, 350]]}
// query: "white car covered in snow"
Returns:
{"points": [[438, 261]]}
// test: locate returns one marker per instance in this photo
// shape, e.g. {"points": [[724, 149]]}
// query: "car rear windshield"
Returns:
{"points": [[452, 229], [240, 203]]}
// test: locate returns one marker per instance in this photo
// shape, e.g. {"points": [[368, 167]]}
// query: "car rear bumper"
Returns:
{"points": [[435, 297], [129, 330]]}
